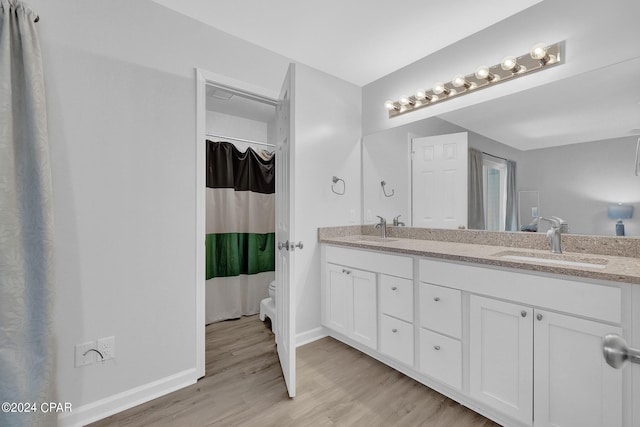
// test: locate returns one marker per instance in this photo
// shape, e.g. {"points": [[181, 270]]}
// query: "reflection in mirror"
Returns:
{"points": [[574, 152]]}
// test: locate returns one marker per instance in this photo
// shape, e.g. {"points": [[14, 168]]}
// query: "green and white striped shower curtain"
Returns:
{"points": [[240, 225]]}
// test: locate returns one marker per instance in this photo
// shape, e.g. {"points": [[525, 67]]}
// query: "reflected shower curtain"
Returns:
{"points": [[240, 225], [27, 356], [475, 194]]}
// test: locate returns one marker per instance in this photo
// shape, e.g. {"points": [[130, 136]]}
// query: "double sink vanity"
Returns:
{"points": [[492, 320]]}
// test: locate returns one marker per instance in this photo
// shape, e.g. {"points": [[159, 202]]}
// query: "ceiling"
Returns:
{"points": [[356, 40], [361, 41]]}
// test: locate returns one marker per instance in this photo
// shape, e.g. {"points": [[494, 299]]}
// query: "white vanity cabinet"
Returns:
{"points": [[524, 349], [349, 293], [533, 364], [351, 307]]}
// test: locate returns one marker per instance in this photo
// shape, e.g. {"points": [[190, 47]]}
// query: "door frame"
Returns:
{"points": [[204, 78]]}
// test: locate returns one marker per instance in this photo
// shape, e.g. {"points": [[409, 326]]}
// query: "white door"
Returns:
{"points": [[574, 386], [501, 356], [285, 292], [439, 181]]}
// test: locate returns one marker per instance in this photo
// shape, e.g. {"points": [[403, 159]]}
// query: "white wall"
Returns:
{"points": [[121, 100], [579, 23], [238, 127], [327, 143], [577, 182]]}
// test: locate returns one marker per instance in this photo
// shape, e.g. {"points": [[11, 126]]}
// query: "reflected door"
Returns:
{"points": [[439, 181]]}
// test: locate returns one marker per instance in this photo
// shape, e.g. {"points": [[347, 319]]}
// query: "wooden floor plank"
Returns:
{"points": [[337, 386]]}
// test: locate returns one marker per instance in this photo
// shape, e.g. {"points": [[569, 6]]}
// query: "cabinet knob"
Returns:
{"points": [[394, 330], [346, 271], [523, 313], [539, 317], [436, 347], [436, 299], [394, 288]]}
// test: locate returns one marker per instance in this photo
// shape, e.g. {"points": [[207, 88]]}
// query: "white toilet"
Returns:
{"points": [[268, 306], [272, 291]]}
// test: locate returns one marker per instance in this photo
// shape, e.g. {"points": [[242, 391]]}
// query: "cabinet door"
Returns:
{"points": [[574, 386], [364, 318], [337, 298], [501, 356]]}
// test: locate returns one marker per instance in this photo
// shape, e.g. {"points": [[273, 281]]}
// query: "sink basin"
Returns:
{"points": [[556, 259], [373, 239]]}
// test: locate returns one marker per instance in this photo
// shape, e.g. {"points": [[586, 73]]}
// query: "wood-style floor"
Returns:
{"points": [[337, 386]]}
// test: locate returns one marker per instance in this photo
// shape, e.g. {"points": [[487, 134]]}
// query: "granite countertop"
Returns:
{"points": [[609, 267]]}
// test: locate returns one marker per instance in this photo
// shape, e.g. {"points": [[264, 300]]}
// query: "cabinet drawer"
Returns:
{"points": [[396, 297], [397, 339], [441, 309], [441, 358]]}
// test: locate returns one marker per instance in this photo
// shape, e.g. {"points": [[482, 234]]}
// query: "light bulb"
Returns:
{"points": [[460, 81], [439, 88], [404, 100], [510, 63], [483, 73], [390, 105], [539, 51], [420, 94]]}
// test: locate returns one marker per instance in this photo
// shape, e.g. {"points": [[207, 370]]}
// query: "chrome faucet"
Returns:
{"points": [[554, 234], [382, 225], [397, 222]]}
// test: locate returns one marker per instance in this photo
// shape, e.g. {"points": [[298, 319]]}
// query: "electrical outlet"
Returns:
{"points": [[84, 356], [107, 346]]}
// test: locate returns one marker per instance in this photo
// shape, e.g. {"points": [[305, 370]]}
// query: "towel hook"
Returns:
{"points": [[335, 179], [382, 183]]}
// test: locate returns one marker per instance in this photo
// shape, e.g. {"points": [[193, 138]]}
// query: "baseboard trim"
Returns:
{"points": [[311, 336], [103, 408]]}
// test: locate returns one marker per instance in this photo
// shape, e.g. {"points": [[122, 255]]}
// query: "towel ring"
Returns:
{"points": [[382, 183], [335, 179]]}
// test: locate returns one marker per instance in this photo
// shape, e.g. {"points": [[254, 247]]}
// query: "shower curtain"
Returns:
{"points": [[27, 347], [240, 226]]}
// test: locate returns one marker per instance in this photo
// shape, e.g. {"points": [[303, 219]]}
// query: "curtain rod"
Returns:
{"points": [[497, 157], [213, 135]]}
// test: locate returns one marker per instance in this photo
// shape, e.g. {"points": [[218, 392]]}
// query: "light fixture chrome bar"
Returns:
{"points": [[510, 68]]}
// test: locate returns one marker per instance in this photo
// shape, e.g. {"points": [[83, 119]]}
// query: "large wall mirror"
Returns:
{"points": [[573, 144]]}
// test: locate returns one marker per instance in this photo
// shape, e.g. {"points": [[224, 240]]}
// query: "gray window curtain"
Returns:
{"points": [[511, 223], [27, 358], [475, 195]]}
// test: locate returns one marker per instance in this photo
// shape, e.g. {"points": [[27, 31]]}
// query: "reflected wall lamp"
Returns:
{"points": [[620, 212], [540, 57]]}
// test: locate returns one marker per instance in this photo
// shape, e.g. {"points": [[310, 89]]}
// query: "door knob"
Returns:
{"points": [[283, 245], [616, 351], [299, 245]]}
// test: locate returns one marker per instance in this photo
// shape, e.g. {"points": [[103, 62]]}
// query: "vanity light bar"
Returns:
{"points": [[540, 57]]}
